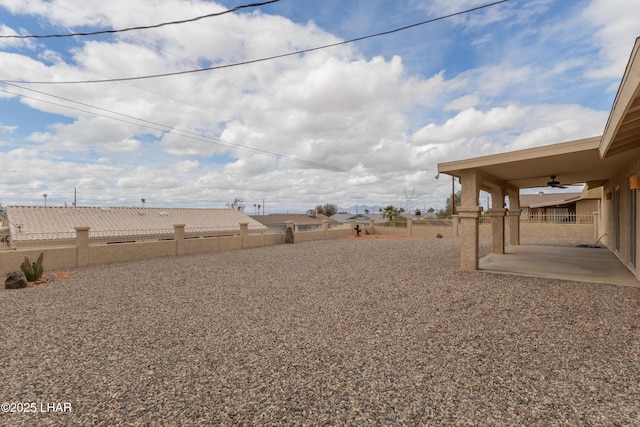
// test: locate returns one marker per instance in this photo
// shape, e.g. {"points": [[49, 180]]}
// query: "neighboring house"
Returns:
{"points": [[559, 207], [361, 219], [56, 224], [608, 164], [276, 223]]}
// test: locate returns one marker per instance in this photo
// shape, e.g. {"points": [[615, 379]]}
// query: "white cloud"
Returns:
{"points": [[462, 103], [365, 114], [506, 129], [5, 130], [616, 23]]}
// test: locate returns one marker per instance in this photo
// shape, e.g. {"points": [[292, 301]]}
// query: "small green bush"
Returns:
{"points": [[33, 271], [439, 236]]}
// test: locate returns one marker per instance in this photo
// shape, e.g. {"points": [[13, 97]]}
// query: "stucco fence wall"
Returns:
{"points": [[84, 252]]}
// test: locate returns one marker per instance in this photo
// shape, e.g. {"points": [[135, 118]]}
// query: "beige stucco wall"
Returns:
{"points": [[557, 230], [70, 256], [54, 258], [108, 253], [621, 181]]}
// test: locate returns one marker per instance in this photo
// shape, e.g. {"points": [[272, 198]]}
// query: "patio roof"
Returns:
{"points": [[623, 127], [573, 162]]}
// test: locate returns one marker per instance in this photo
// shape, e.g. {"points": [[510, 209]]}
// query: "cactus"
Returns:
{"points": [[33, 271]]}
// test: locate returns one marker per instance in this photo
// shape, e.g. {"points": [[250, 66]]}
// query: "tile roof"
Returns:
{"points": [[527, 200], [362, 218], [59, 222], [298, 219]]}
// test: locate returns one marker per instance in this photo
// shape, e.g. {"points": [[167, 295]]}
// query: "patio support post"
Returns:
{"points": [[497, 213], [325, 227], [178, 235], [469, 213], [455, 225], [410, 226], [82, 244], [514, 217], [352, 226], [497, 230]]}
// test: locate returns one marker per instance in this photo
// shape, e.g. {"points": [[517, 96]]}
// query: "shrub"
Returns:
{"points": [[33, 271], [439, 236]]}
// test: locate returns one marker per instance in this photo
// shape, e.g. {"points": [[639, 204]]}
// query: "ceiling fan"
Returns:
{"points": [[555, 184]]}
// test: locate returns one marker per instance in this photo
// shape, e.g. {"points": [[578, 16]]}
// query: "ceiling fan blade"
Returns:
{"points": [[555, 184]]}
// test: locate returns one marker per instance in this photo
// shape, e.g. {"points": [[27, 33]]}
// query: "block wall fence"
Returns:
{"points": [[84, 252]]}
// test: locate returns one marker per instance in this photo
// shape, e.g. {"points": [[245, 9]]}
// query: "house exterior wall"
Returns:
{"points": [[620, 181]]}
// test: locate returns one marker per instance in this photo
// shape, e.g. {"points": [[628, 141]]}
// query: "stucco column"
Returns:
{"points": [[372, 224], [469, 237], [596, 226], [455, 225], [514, 226], [410, 226], [325, 227], [82, 245], [514, 216], [244, 233], [497, 230], [469, 214], [178, 235]]}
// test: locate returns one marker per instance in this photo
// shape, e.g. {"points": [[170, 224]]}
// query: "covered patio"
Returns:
{"points": [[504, 175], [610, 162], [595, 265]]}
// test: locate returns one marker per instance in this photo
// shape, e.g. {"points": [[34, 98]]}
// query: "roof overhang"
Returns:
{"points": [[622, 132], [573, 162]]}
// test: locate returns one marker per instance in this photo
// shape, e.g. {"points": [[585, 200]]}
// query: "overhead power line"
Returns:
{"points": [[269, 58], [125, 118], [146, 27]]}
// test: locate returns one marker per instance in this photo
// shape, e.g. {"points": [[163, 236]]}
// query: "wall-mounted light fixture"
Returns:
{"points": [[634, 182], [608, 195]]}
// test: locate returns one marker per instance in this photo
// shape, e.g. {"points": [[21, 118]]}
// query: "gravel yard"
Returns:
{"points": [[346, 332]]}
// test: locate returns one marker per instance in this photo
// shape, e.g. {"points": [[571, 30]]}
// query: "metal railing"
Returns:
{"points": [[433, 222], [197, 232], [128, 236], [559, 218]]}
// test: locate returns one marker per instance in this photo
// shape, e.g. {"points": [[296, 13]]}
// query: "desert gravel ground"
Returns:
{"points": [[363, 332]]}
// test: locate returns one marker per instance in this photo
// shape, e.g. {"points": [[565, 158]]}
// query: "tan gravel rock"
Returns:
{"points": [[347, 332]]}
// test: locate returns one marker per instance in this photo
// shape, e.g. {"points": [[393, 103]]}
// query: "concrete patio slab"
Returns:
{"points": [[596, 265]]}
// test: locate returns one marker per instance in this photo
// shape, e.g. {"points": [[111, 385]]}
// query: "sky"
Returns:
{"points": [[363, 123]]}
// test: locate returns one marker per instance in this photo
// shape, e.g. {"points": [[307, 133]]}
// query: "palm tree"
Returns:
{"points": [[389, 212], [143, 202]]}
